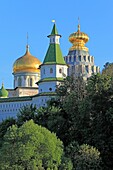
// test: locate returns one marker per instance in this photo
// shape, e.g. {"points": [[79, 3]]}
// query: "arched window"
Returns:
{"points": [[84, 58], [70, 59], [19, 81], [51, 70], [89, 58], [75, 58], [79, 57], [60, 70], [31, 82]]}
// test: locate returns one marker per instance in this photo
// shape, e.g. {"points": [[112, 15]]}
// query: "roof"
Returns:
{"points": [[54, 54], [54, 30], [3, 92], [31, 88], [26, 63], [15, 99], [48, 79]]}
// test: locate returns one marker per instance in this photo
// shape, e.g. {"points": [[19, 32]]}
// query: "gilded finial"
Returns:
{"points": [[27, 38], [27, 46], [53, 21], [78, 24]]}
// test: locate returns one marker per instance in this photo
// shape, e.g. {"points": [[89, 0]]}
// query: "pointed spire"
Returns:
{"points": [[2, 85], [54, 30], [27, 38], [54, 54], [27, 46], [78, 24]]}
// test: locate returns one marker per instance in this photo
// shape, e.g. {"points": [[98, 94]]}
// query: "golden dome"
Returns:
{"points": [[26, 63], [78, 39]]}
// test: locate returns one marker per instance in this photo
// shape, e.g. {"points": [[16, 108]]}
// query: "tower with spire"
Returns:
{"points": [[79, 60], [54, 68]]}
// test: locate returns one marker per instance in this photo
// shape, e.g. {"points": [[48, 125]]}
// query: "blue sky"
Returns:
{"points": [[35, 16]]}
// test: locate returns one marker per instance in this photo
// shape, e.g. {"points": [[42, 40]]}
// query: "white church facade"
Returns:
{"points": [[35, 82]]}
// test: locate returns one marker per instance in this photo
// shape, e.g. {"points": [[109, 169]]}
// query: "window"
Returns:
{"points": [[92, 68], [89, 58], [70, 59], [51, 70], [60, 70], [19, 81], [74, 58], [73, 69], [79, 57], [87, 70], [31, 82], [44, 70], [84, 58], [50, 89]]}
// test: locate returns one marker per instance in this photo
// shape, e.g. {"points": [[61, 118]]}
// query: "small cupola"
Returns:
{"points": [[3, 92]]}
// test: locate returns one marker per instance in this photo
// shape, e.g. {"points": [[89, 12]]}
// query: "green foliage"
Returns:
{"points": [[81, 114], [99, 103], [108, 69], [87, 158], [30, 147], [4, 125], [72, 84], [84, 157], [26, 113], [54, 118]]}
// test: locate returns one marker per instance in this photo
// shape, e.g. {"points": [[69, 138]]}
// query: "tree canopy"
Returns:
{"points": [[30, 147], [82, 118]]}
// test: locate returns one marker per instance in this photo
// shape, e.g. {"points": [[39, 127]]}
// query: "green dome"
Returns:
{"points": [[3, 92]]}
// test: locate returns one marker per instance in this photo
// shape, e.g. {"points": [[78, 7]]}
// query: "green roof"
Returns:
{"points": [[3, 92], [48, 94], [54, 30], [16, 99], [50, 79], [54, 55]]}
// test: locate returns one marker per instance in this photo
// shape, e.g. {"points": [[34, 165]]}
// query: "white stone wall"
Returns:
{"points": [[18, 92], [46, 71], [25, 79], [10, 109], [58, 71], [48, 86], [81, 65]]}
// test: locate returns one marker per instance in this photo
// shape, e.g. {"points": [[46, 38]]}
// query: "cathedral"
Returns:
{"points": [[35, 82]]}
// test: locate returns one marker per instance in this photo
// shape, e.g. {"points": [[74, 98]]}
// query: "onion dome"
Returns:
{"points": [[3, 92], [78, 39], [26, 63]]}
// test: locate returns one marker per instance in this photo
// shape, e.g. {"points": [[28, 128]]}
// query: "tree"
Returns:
{"points": [[26, 113], [4, 125], [30, 147], [99, 101], [61, 116], [108, 69], [84, 157]]}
